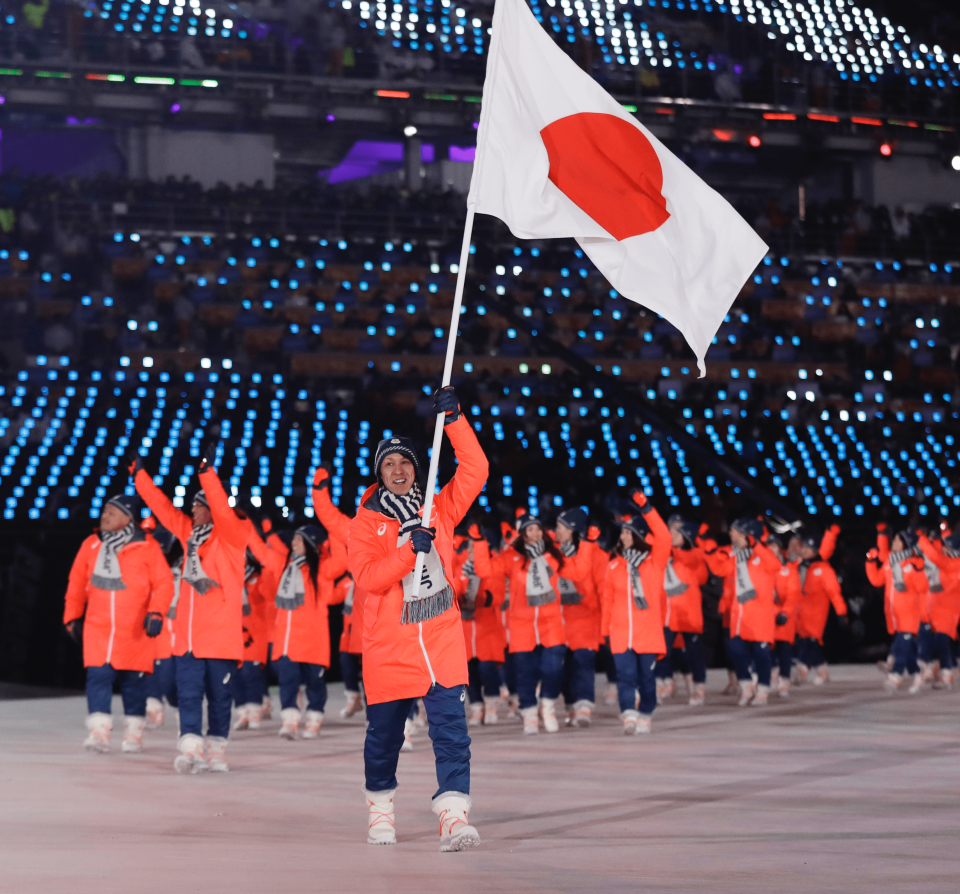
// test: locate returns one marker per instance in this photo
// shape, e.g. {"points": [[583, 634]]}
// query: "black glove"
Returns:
{"points": [[153, 624], [74, 629], [844, 621], [209, 457], [606, 641], [135, 467], [445, 401], [422, 539], [782, 619], [489, 599]]}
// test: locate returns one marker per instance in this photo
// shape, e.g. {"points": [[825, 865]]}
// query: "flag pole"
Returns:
{"points": [[447, 373]]}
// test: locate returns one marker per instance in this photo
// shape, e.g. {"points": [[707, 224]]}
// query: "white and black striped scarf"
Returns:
{"points": [[634, 559], [468, 604], [745, 591], [177, 571], [672, 584], [933, 576], [896, 568], [193, 572], [569, 594], [539, 589], [106, 573], [291, 591], [436, 595], [249, 571]]}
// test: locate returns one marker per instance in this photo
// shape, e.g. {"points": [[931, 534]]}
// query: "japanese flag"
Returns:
{"points": [[557, 156]]}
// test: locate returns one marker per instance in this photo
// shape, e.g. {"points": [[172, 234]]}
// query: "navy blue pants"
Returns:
{"points": [[580, 676], [609, 665], [292, 673], [810, 652], [249, 683], [746, 653], [448, 732], [925, 638], [691, 655], [543, 666], [199, 677], [162, 683], [350, 669], [636, 672], [904, 651], [508, 674], [943, 651], [728, 651], [133, 690], [484, 680], [784, 658]]}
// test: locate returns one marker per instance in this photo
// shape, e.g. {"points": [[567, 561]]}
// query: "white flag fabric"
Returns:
{"points": [[557, 156]]}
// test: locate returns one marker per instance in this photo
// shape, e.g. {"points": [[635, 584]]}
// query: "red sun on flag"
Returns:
{"points": [[608, 169]]}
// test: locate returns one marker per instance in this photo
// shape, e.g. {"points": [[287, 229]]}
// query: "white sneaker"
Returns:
{"points": [[762, 697], [155, 713], [408, 730], [98, 733], [456, 833], [490, 704], [582, 713], [630, 720], [548, 710], [531, 721], [381, 819], [312, 724], [190, 759], [644, 725], [217, 754], [243, 718], [747, 690], [475, 717], [698, 695], [133, 734], [353, 706], [291, 723]]}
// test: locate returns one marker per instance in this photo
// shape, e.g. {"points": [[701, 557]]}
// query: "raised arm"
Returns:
{"points": [[176, 522], [273, 560], [927, 547], [883, 542], [828, 543], [485, 564], [472, 470], [228, 524], [336, 523], [874, 568], [768, 561]]}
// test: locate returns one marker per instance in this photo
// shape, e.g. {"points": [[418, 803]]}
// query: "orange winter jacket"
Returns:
{"points": [[820, 590], [113, 619], [208, 625], [483, 633], [685, 610], [628, 626], [944, 606], [354, 596], [751, 620], [717, 558], [786, 586], [582, 619], [903, 609], [404, 660]]}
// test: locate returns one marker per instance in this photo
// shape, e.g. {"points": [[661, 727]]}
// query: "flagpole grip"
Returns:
{"points": [[447, 374]]}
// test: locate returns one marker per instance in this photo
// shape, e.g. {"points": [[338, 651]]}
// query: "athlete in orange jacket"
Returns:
{"points": [[819, 589], [749, 573], [786, 600], [413, 642], [685, 574], [162, 683], [208, 627], [354, 597], [944, 601], [119, 589], [631, 613], [900, 573]]}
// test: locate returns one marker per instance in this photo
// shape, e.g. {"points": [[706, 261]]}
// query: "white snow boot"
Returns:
{"points": [[612, 695], [548, 710], [698, 695], [885, 667], [381, 819], [800, 673], [98, 733], [456, 833], [353, 705], [661, 690], [266, 709], [733, 684], [155, 713], [490, 703], [243, 718], [291, 723], [253, 715], [644, 725], [762, 697], [783, 687], [475, 717], [133, 734], [531, 720], [747, 690], [892, 683], [823, 675], [630, 720], [312, 723], [217, 754], [917, 684], [190, 759], [408, 731], [582, 713], [946, 678]]}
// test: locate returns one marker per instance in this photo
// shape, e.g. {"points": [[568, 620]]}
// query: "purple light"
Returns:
{"points": [[476, 125], [331, 117], [365, 158], [175, 108], [3, 99], [463, 153], [427, 153]]}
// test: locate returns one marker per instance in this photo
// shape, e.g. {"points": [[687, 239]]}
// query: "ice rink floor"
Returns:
{"points": [[837, 789]]}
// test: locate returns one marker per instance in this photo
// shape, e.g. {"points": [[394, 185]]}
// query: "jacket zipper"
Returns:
{"points": [[629, 609], [474, 638], [536, 623], [286, 639], [426, 657], [113, 624], [190, 622]]}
